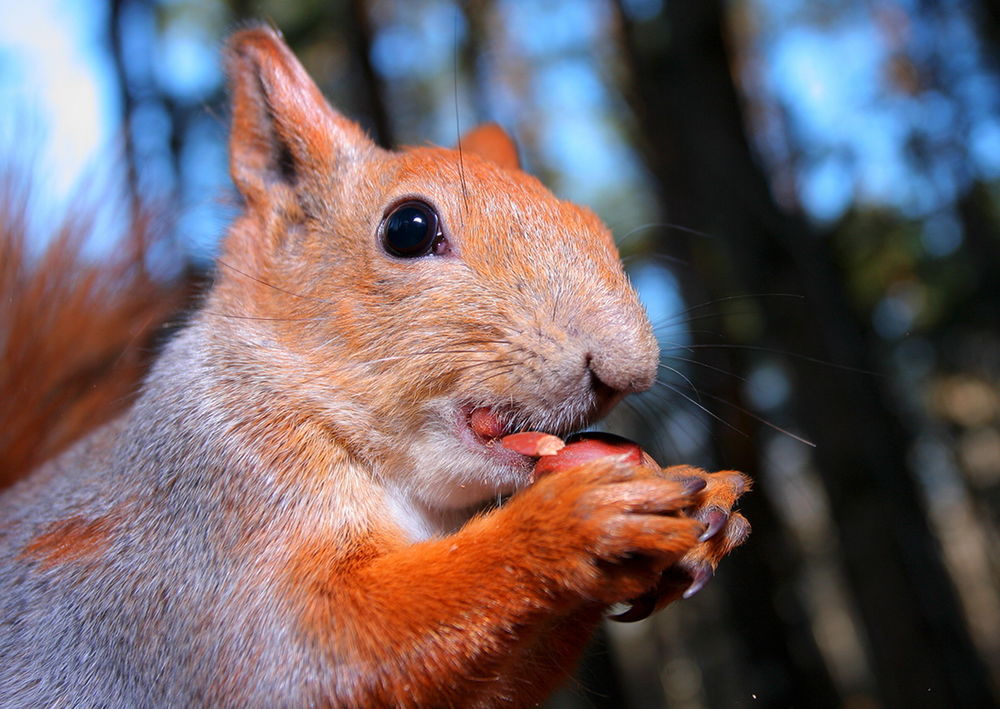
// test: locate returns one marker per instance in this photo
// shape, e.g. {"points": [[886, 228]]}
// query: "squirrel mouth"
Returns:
{"points": [[486, 424], [482, 427]]}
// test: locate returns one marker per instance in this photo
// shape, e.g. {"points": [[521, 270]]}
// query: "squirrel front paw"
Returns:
{"points": [[709, 505], [605, 530], [724, 530]]}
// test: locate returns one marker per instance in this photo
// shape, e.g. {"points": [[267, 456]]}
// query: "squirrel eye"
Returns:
{"points": [[412, 229]]}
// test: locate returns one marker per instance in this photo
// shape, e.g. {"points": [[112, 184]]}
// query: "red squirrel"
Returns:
{"points": [[309, 503]]}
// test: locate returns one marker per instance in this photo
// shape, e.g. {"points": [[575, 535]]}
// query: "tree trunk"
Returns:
{"points": [[692, 121]]}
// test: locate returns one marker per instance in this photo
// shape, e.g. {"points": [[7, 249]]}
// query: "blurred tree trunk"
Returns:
{"points": [[361, 36], [986, 15], [691, 120], [784, 666], [116, 46], [478, 14]]}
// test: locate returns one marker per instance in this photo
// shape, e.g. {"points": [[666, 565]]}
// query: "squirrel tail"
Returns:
{"points": [[76, 329]]}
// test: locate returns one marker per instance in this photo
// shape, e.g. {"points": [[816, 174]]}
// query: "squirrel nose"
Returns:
{"points": [[611, 382], [615, 374], [620, 349]]}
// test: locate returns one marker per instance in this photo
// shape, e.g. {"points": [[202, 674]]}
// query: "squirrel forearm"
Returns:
{"points": [[448, 617]]}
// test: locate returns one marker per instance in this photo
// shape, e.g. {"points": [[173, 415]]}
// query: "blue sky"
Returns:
{"points": [[56, 104]]}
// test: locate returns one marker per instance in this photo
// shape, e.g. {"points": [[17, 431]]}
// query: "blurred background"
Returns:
{"points": [[807, 195]]}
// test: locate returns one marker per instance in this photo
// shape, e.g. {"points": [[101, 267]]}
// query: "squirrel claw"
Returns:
{"points": [[693, 485], [715, 519], [701, 573], [639, 609]]}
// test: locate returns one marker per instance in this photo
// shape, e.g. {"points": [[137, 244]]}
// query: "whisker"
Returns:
{"points": [[499, 373], [650, 408], [783, 353], [737, 407], [663, 225], [271, 285], [742, 296], [661, 408], [458, 123], [677, 321], [706, 333], [253, 317], [473, 365], [761, 419], [706, 365], [656, 258], [408, 355], [703, 408], [680, 374], [480, 341], [677, 317]]}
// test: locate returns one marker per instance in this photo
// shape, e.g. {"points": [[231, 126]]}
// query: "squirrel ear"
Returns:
{"points": [[283, 130], [491, 142]]}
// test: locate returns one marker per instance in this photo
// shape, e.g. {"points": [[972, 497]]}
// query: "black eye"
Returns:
{"points": [[412, 229]]}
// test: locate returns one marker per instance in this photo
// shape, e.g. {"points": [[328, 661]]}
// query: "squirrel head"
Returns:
{"points": [[416, 304]]}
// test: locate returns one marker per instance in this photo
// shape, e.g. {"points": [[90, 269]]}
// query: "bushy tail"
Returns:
{"points": [[75, 330]]}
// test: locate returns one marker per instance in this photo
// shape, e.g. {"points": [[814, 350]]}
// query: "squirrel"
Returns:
{"points": [[308, 503]]}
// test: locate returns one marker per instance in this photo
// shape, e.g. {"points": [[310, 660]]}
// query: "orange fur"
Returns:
{"points": [[443, 641], [489, 141], [75, 333], [71, 540]]}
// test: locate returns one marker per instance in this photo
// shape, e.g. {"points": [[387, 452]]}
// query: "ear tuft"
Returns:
{"points": [[490, 142]]}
